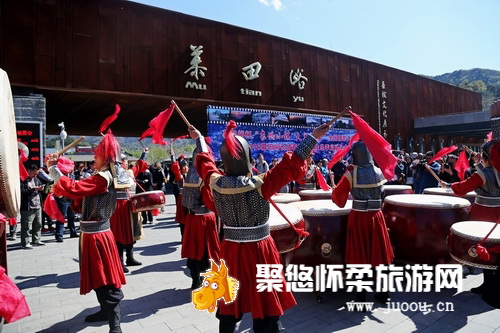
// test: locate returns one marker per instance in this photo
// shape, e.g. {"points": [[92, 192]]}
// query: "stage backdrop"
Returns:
{"points": [[273, 133]]}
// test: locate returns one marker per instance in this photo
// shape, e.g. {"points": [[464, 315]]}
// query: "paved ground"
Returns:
{"points": [[158, 298]]}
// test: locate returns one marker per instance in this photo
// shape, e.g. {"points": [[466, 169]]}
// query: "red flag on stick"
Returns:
{"points": [[462, 165], [443, 152], [379, 148], [50, 207], [321, 181], [342, 152], [157, 126], [105, 124]]}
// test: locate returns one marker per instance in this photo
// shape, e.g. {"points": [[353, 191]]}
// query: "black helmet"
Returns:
{"points": [[360, 153], [240, 165], [486, 149]]}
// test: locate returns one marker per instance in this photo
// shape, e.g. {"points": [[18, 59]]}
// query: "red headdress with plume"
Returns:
{"points": [[108, 149], [233, 147]]}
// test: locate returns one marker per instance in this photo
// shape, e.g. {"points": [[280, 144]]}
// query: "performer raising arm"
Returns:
{"points": [[241, 203], [100, 266]]}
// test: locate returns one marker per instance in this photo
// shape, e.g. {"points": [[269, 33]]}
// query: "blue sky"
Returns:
{"points": [[429, 37]]}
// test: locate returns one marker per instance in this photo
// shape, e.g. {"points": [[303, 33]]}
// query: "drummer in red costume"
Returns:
{"points": [[201, 239], [367, 240], [242, 204], [488, 184], [179, 169], [485, 183], [100, 267], [122, 221]]}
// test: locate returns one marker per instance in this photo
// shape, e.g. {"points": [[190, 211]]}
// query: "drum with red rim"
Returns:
{"points": [[396, 189], [463, 239], [283, 234], [471, 196], [327, 227], [145, 201], [419, 225], [285, 197], [315, 195]]}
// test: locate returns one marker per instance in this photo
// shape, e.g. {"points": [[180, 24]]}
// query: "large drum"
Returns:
{"points": [[283, 234], [285, 197], [327, 227], [471, 196], [145, 201], [419, 225], [463, 238], [315, 195], [395, 189]]}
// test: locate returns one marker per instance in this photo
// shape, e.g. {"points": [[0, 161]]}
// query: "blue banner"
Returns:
{"points": [[273, 133]]}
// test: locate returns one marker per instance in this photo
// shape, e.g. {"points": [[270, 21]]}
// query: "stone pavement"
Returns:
{"points": [[158, 298]]}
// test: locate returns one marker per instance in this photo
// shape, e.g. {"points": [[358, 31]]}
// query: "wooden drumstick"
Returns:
{"points": [[331, 122], [71, 145], [432, 173], [181, 114]]}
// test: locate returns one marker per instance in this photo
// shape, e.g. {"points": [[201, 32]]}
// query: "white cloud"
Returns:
{"points": [[277, 4]]}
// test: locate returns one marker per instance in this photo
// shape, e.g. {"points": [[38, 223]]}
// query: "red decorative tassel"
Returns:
{"points": [[233, 147], [379, 148], [50, 207], [443, 152], [23, 173], [342, 152], [105, 124], [157, 126], [482, 252], [65, 165]]}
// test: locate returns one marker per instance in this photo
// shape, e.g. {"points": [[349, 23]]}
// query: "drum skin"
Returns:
{"points": [[419, 225], [10, 186], [147, 201], [285, 198], [395, 189], [327, 227], [471, 196], [463, 238], [315, 195], [283, 234]]}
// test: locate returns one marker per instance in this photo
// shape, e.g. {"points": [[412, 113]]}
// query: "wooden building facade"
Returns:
{"points": [[86, 55]]}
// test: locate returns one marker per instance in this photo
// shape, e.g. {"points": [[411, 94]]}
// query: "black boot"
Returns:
{"points": [[110, 298], [382, 297], [488, 276], [129, 248], [360, 296], [227, 324], [98, 316], [120, 253]]}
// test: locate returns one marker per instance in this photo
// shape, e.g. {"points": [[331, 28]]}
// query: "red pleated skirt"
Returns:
{"points": [[241, 260], [200, 236], [180, 211], [99, 262], [121, 222], [368, 240], [483, 213]]}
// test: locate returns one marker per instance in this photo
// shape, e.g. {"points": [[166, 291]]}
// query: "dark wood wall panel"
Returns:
{"points": [[125, 47]]}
